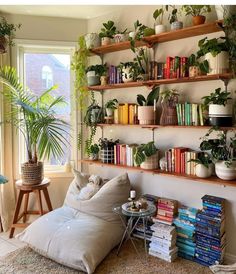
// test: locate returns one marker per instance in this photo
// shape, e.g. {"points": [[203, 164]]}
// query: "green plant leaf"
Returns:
{"points": [[153, 95]]}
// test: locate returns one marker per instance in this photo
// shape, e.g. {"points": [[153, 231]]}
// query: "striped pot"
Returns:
{"points": [[151, 162]]}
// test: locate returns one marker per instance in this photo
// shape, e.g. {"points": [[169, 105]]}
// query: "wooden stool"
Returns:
{"points": [[26, 190]]}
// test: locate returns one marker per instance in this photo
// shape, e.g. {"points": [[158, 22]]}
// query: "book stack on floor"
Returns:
{"points": [[166, 211], [210, 231], [163, 242], [185, 227]]}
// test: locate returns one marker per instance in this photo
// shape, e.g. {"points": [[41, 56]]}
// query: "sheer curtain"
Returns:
{"points": [[7, 191]]}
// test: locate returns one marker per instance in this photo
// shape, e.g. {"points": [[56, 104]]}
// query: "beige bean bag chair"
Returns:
{"points": [[82, 232]]}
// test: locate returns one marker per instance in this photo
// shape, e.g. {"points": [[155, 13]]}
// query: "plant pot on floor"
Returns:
{"points": [[218, 64], [176, 25], [146, 115], [32, 174], [92, 40], [160, 29], [198, 20], [225, 172], [151, 162], [204, 172], [220, 115]]}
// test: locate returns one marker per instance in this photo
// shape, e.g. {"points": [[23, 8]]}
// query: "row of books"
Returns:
{"points": [[178, 160], [124, 154], [126, 114], [114, 74], [189, 114]]}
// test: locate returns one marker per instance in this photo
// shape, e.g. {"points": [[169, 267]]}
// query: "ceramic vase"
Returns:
{"points": [[218, 64], [127, 76], [146, 115], [106, 41], [224, 172]]}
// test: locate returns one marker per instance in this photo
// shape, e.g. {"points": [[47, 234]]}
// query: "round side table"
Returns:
{"points": [[25, 190]]}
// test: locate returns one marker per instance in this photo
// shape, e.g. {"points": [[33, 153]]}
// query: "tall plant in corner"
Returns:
{"points": [[35, 117]]}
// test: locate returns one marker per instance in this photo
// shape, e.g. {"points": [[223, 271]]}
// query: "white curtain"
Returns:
{"points": [[7, 191]]}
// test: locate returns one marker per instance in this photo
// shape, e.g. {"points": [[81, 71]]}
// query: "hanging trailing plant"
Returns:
{"points": [[79, 65]]}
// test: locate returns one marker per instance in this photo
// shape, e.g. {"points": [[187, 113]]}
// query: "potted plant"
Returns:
{"points": [[128, 71], [107, 32], [197, 12], [220, 110], [146, 156], [36, 119], [147, 107], [110, 106], [78, 65], [173, 18], [169, 99], [141, 64], [195, 67], [222, 150], [158, 15], [94, 74], [7, 33], [94, 150], [107, 150], [204, 165], [215, 51], [121, 36], [92, 40]]}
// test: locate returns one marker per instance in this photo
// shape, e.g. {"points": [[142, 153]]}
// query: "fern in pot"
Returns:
{"points": [[147, 107], [220, 108], [35, 117], [146, 156]]}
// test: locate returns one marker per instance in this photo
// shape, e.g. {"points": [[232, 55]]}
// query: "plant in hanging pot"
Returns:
{"points": [[147, 107], [220, 108], [35, 117], [110, 106], [204, 165], [223, 153], [197, 12], [146, 156], [158, 15], [173, 18], [215, 51], [107, 33], [94, 74], [195, 67], [7, 33], [169, 99], [94, 151]]}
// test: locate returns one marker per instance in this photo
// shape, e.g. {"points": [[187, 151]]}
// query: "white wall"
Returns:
{"points": [[185, 191]]}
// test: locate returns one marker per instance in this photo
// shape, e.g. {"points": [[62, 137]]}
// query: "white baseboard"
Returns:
{"points": [[230, 258]]}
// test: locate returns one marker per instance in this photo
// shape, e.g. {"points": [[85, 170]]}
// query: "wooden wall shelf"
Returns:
{"points": [[212, 180], [224, 76], [149, 41]]}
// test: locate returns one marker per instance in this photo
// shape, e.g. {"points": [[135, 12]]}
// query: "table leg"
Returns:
{"points": [[47, 199], [123, 237], [17, 210], [25, 206], [38, 193], [144, 229]]}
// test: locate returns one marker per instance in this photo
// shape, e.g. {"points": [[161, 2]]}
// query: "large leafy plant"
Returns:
{"points": [[194, 61], [108, 30], [218, 98], [143, 151], [35, 117], [213, 46], [152, 96], [196, 10], [100, 70]]}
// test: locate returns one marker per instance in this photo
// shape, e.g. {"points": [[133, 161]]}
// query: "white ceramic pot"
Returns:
{"points": [[92, 40], [220, 110], [160, 29], [176, 25], [203, 172], [218, 64], [93, 80], [127, 75], [151, 162], [224, 172], [146, 115], [109, 112], [106, 41], [120, 37]]}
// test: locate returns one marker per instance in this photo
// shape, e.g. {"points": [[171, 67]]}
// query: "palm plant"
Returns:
{"points": [[35, 117]]}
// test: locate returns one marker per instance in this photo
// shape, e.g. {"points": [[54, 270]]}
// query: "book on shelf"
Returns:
{"points": [[189, 114], [124, 154]]}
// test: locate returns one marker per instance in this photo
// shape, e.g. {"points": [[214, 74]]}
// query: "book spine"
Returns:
{"points": [[115, 156], [125, 114]]}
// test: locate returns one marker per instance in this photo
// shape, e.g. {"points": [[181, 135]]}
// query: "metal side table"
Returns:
{"points": [[132, 222]]}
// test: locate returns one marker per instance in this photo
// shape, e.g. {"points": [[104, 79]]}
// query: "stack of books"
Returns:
{"points": [[210, 231], [178, 160], [189, 114], [124, 154], [185, 227], [126, 114], [163, 242], [175, 67], [139, 230], [114, 74], [166, 211]]}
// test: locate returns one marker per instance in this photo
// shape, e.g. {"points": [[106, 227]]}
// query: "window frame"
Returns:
{"points": [[47, 47]]}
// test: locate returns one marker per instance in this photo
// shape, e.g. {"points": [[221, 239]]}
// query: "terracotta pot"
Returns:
{"points": [[194, 71], [146, 115], [3, 44], [198, 20], [151, 162]]}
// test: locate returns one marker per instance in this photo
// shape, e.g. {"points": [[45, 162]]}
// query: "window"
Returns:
{"points": [[40, 68], [47, 77]]}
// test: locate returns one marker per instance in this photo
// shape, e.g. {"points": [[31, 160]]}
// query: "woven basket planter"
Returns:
{"points": [[151, 162], [32, 174]]}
